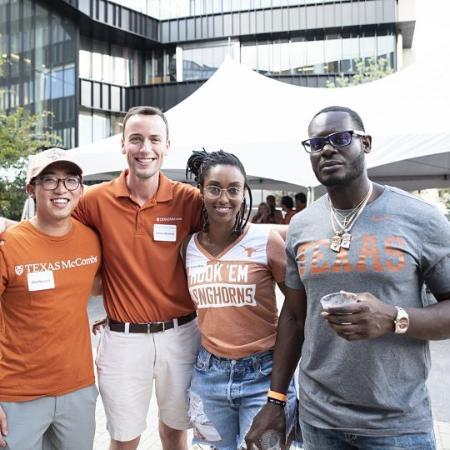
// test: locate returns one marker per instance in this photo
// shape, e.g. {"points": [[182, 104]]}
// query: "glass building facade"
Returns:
{"points": [[39, 71], [333, 55], [172, 9], [200, 61], [88, 61], [103, 61]]}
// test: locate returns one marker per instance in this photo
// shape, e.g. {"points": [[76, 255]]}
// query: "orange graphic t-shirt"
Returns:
{"points": [[45, 344], [235, 292]]}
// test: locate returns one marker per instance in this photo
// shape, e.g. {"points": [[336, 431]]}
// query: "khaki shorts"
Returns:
{"points": [[66, 422], [127, 365]]}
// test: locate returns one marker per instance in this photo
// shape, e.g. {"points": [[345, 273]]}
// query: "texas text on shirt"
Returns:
{"points": [[45, 340], [399, 243]]}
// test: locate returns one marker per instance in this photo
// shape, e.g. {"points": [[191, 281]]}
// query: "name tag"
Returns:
{"points": [[39, 281], [167, 233]]}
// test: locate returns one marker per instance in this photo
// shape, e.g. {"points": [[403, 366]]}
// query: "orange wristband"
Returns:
{"points": [[277, 395]]}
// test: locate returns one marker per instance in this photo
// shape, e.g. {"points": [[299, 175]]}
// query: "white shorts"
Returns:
{"points": [[127, 364]]}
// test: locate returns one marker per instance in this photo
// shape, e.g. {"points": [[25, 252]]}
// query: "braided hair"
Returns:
{"points": [[198, 166]]}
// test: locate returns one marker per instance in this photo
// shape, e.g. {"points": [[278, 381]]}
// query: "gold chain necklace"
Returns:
{"points": [[342, 237]]}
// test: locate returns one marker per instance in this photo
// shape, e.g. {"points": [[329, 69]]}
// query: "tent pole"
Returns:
{"points": [[310, 196]]}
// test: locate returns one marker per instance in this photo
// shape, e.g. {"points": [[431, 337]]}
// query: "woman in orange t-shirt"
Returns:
{"points": [[232, 267]]}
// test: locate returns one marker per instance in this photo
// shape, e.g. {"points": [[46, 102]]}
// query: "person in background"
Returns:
{"points": [[287, 204], [263, 213], [364, 362], [47, 269], [232, 267], [275, 215], [300, 201]]}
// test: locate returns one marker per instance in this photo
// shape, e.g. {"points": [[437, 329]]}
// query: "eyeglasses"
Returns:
{"points": [[338, 140], [49, 183], [215, 192]]}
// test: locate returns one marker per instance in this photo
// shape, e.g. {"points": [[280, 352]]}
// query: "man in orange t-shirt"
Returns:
{"points": [[151, 336], [47, 269]]}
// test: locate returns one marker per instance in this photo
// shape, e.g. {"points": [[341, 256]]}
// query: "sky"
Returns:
{"points": [[431, 32]]}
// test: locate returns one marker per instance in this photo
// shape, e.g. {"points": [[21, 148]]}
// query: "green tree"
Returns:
{"points": [[21, 135], [375, 69]]}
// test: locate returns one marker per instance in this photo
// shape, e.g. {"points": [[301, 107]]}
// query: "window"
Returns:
{"points": [[107, 70], [69, 80], [105, 96], [249, 56], [350, 54], [201, 62], [96, 103], [333, 55], [85, 67], [100, 126], [86, 93], [115, 98]]}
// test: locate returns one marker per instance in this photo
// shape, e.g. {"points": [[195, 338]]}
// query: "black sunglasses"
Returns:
{"points": [[338, 140]]}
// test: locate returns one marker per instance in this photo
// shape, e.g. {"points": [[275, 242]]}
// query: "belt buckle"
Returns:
{"points": [[149, 327]]}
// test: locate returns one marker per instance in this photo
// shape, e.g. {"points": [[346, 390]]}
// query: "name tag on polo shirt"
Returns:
{"points": [[39, 281], [167, 233]]}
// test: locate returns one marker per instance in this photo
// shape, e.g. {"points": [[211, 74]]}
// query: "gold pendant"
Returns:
{"points": [[346, 240], [335, 243]]}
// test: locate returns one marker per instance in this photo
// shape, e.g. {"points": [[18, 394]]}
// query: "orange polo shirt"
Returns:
{"points": [[45, 284], [143, 275]]}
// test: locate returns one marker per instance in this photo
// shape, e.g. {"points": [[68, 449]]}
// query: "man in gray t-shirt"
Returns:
{"points": [[363, 364]]}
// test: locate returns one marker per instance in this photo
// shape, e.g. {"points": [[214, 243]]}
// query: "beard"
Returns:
{"points": [[356, 170]]}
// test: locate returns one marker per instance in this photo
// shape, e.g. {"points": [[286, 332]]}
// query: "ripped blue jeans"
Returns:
{"points": [[225, 396]]}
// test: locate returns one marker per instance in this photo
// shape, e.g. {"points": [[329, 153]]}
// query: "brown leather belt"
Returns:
{"points": [[152, 327]]}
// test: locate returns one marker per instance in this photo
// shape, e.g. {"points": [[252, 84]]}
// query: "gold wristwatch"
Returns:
{"points": [[401, 321]]}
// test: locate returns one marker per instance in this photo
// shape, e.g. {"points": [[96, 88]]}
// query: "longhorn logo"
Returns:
{"points": [[249, 250]]}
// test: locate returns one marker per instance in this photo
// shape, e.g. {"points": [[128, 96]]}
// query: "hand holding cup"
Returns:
{"points": [[341, 298], [356, 316]]}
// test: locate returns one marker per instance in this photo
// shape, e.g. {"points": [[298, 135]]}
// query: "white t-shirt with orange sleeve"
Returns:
{"points": [[234, 292]]}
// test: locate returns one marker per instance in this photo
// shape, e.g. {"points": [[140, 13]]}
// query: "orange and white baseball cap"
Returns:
{"points": [[40, 161]]}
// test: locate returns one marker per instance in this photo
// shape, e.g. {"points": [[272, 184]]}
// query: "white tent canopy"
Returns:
{"points": [[263, 121]]}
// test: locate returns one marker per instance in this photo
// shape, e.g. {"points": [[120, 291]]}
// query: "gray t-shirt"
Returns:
{"points": [[372, 387]]}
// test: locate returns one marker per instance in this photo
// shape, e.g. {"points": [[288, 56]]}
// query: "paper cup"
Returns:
{"points": [[340, 298]]}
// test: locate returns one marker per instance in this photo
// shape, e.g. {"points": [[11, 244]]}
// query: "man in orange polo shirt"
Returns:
{"points": [[47, 268], [142, 217]]}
